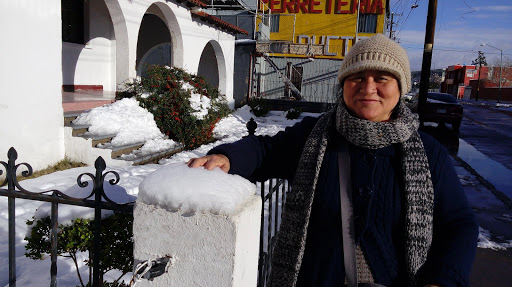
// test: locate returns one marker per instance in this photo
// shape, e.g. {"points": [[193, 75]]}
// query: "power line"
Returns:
{"points": [[403, 2], [440, 21], [453, 50], [472, 10], [415, 5]]}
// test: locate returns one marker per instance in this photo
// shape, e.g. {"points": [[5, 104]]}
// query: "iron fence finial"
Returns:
{"points": [[251, 126], [12, 154]]}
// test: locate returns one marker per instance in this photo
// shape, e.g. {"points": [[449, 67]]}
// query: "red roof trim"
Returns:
{"points": [[218, 22], [197, 3]]}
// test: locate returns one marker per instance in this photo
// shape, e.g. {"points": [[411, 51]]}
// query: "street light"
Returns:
{"points": [[501, 68]]}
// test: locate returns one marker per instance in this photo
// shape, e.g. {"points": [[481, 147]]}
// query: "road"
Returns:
{"points": [[488, 130], [482, 152]]}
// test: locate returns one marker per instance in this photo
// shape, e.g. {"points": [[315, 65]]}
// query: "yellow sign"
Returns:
{"points": [[331, 23]]}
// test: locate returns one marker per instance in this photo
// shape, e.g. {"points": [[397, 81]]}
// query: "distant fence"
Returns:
{"points": [[491, 93]]}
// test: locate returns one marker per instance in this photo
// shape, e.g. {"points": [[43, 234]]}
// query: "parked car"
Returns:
{"points": [[441, 108]]}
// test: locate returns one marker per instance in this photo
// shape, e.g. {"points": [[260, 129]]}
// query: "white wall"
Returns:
{"points": [[33, 60], [94, 62], [89, 64], [195, 43], [98, 59], [31, 80], [189, 38]]}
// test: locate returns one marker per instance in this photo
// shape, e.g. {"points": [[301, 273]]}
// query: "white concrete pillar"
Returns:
{"points": [[207, 249]]}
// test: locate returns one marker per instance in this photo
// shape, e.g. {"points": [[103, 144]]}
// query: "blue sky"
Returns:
{"points": [[461, 27]]}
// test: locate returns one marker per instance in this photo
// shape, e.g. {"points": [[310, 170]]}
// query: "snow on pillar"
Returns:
{"points": [[207, 222]]}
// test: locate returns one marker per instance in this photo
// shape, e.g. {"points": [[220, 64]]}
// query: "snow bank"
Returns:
{"points": [[178, 187], [125, 118], [484, 241], [198, 102]]}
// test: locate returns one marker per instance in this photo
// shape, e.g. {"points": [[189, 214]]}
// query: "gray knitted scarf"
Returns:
{"points": [[419, 192]]}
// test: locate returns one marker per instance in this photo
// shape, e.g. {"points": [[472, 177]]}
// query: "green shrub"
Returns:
{"points": [[259, 106], [166, 93], [116, 243], [293, 113]]}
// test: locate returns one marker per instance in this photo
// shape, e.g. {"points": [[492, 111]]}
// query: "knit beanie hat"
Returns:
{"points": [[378, 53]]}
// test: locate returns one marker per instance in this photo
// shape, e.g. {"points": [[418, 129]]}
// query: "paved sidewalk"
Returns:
{"points": [[492, 267]]}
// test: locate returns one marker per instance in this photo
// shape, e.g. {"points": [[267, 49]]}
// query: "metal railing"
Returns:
{"points": [[316, 79], [273, 196], [55, 197]]}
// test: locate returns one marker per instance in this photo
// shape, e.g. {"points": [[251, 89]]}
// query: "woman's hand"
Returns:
{"points": [[210, 162]]}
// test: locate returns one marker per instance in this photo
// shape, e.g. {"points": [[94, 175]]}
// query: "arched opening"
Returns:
{"points": [[154, 44], [212, 66], [208, 65]]}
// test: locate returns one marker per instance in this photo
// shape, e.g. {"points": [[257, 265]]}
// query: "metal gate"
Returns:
{"points": [[304, 79]]}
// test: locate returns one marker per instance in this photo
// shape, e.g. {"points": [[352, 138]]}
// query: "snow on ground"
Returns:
{"points": [[507, 106], [125, 119], [107, 120], [484, 241], [112, 119], [504, 107]]}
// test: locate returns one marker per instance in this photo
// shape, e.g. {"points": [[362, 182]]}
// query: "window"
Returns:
{"points": [[73, 21], [367, 23], [274, 22]]}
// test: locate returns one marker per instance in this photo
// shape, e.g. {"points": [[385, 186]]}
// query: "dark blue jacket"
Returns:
{"points": [[377, 186]]}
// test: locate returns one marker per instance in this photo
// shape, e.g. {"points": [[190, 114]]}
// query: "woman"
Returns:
{"points": [[412, 223]]}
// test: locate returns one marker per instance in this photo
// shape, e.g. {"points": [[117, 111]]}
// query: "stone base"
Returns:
{"points": [[207, 249]]}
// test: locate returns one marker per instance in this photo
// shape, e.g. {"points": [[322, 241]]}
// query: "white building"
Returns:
{"points": [[95, 44]]}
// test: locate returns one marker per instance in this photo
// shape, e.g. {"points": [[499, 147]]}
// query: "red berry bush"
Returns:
{"points": [[185, 106]]}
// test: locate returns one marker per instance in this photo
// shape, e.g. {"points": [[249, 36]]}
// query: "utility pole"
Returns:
{"points": [[392, 22], [479, 72], [391, 26], [427, 56]]}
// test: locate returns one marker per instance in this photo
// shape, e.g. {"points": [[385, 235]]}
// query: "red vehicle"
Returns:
{"points": [[441, 108]]}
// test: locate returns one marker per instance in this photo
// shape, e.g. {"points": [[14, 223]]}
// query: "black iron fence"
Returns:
{"points": [[97, 199], [273, 194]]}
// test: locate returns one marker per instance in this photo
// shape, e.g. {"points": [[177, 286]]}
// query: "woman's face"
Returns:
{"points": [[371, 94]]}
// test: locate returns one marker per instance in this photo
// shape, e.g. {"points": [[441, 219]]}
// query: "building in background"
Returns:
{"points": [[464, 82], [457, 78], [53, 45], [296, 47], [333, 24]]}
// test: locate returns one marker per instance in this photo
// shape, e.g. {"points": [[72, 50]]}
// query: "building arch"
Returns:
{"points": [[212, 66], [159, 17], [154, 44]]}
